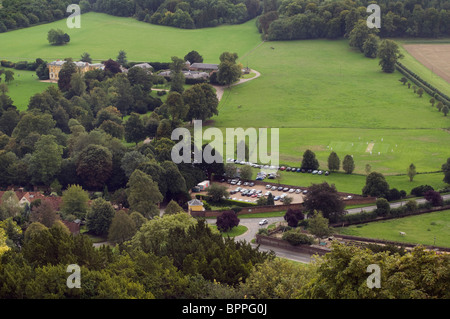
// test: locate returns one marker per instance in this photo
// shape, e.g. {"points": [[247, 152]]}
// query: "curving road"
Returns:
{"points": [[253, 226]]}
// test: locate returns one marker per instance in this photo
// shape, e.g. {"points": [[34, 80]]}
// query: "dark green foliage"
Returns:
{"points": [[293, 217], [376, 185], [446, 170], [227, 220], [421, 190], [309, 160], [295, 237], [324, 198]]}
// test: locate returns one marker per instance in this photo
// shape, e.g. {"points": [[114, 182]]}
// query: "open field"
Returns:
{"points": [[420, 229], [102, 36], [354, 183], [427, 73], [435, 57], [25, 85]]}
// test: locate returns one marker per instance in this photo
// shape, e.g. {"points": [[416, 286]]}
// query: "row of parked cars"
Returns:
{"points": [[281, 168]]}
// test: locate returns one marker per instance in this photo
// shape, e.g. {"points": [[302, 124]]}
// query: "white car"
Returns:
{"points": [[291, 190], [263, 222]]}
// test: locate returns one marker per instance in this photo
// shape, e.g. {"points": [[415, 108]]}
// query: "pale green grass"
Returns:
{"points": [[24, 86], [426, 229], [102, 36], [235, 231]]}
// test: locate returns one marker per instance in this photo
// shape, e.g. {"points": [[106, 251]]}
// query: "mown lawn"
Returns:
{"points": [[235, 231], [24, 86], [426, 229]]}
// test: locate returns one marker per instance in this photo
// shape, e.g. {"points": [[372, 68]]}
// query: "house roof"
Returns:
{"points": [[195, 202], [143, 66], [205, 66]]}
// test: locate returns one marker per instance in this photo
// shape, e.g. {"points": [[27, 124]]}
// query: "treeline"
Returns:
{"points": [[306, 19], [186, 14]]}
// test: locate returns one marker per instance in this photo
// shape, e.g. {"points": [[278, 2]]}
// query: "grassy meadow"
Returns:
{"points": [[420, 229], [25, 85], [102, 36]]}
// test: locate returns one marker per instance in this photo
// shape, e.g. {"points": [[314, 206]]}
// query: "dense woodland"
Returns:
{"points": [[292, 19]]}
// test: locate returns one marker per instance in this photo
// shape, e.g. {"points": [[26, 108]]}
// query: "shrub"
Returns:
{"points": [[434, 198], [227, 220], [161, 93], [421, 190], [383, 207], [21, 65], [293, 216], [411, 206], [7, 64], [295, 238]]}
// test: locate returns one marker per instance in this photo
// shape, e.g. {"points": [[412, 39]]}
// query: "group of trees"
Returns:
{"points": [[186, 14], [178, 257], [57, 37], [304, 19]]}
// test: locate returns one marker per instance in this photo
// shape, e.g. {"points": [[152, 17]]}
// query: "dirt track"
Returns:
{"points": [[435, 57]]}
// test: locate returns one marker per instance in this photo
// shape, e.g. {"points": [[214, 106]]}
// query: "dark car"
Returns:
{"points": [[327, 173]]}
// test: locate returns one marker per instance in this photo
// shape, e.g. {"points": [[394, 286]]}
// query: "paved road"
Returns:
{"points": [[393, 205], [253, 226]]}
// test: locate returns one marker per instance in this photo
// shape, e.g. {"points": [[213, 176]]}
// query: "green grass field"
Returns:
{"points": [[235, 231], [420, 229], [102, 36], [425, 73], [25, 85]]}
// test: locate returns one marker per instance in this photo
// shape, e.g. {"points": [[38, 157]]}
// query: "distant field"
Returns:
{"points": [[420, 229], [324, 96], [433, 50], [102, 36]]}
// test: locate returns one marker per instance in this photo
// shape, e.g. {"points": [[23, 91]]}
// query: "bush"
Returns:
{"points": [[161, 93], [7, 64], [383, 207], [421, 190], [227, 221], [411, 206], [21, 65], [295, 238], [434, 198]]}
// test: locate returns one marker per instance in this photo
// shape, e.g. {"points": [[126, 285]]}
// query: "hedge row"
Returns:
{"points": [[21, 65], [430, 89], [228, 201], [394, 212]]}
